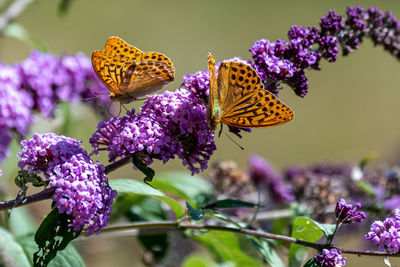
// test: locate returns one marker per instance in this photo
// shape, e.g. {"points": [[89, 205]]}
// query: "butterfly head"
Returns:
{"points": [[212, 118]]}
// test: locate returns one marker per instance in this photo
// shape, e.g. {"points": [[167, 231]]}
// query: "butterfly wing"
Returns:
{"points": [[145, 77], [214, 96], [245, 102], [118, 47], [128, 72]]}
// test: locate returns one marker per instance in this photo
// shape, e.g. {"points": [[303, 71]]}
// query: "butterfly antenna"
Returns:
{"points": [[236, 143], [89, 98], [123, 106]]}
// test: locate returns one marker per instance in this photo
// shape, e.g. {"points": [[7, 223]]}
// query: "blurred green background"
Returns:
{"points": [[350, 111]]}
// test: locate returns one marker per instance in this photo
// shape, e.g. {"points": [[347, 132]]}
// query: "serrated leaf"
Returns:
{"points": [[194, 214], [193, 189], [230, 203], [11, 252], [307, 230], [69, 257], [128, 186], [267, 251], [17, 31]]}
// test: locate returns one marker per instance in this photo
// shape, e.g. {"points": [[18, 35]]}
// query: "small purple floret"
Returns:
{"points": [[330, 258], [386, 234], [346, 213]]}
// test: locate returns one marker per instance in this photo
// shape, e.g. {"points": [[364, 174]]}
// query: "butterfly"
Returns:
{"points": [[238, 98], [128, 72]]}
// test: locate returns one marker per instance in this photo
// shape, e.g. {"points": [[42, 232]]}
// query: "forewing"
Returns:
{"points": [[154, 56], [110, 68], [118, 47], [145, 77], [245, 102]]}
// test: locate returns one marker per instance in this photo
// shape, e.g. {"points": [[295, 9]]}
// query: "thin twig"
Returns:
{"points": [[119, 163], [42, 195], [182, 226], [48, 193], [13, 12]]}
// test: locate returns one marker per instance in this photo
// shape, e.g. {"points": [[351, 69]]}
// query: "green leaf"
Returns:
{"points": [[367, 159], [134, 187], [307, 230], [311, 263], [197, 260], [64, 6], [328, 229], [194, 214], [17, 31], [69, 257], [53, 235], [193, 189], [365, 187], [11, 252], [230, 203], [21, 222], [266, 250], [229, 247]]}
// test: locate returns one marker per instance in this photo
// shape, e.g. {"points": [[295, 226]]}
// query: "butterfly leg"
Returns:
{"points": [[220, 131]]}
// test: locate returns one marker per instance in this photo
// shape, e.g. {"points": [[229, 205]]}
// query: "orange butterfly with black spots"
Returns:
{"points": [[128, 72], [238, 98]]}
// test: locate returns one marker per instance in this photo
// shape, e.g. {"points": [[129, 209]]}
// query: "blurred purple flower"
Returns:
{"points": [[262, 173], [386, 234], [15, 104], [40, 74], [346, 213], [82, 189], [330, 258], [392, 203]]}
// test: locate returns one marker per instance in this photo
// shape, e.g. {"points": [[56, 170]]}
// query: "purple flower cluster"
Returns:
{"points": [[49, 79], [285, 62], [82, 189], [386, 234], [262, 173], [382, 27], [168, 125], [40, 82], [346, 213], [330, 258], [15, 108]]}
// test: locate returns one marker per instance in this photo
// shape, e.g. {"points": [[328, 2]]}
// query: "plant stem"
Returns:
{"points": [[13, 12], [183, 226]]}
